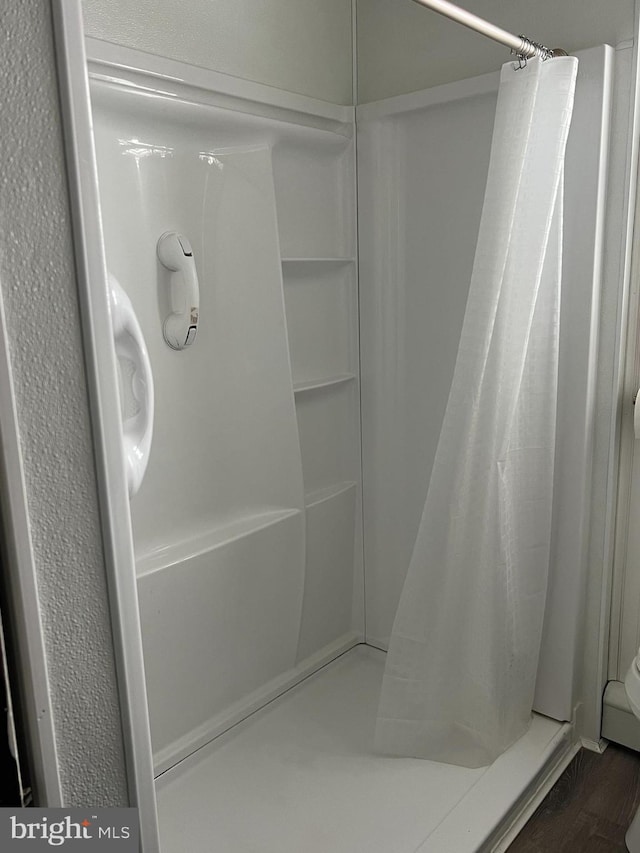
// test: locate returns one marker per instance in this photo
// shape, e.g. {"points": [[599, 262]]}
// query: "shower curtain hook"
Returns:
{"points": [[520, 53], [528, 49]]}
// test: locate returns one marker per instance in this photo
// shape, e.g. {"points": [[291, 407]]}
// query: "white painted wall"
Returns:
{"points": [[38, 287], [299, 45], [403, 47]]}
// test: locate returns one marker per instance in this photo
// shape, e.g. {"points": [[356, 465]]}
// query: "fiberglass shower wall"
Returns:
{"points": [[246, 528], [246, 534]]}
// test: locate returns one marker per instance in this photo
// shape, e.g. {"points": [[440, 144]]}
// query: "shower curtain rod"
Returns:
{"points": [[520, 45]]}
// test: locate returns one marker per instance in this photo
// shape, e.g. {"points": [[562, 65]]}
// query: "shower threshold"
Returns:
{"points": [[300, 776]]}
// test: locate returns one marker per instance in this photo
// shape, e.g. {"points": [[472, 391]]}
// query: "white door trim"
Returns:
{"points": [[624, 626], [105, 409]]}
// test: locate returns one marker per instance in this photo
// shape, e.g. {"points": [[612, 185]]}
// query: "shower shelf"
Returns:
{"points": [[317, 261], [208, 540], [325, 382], [317, 497]]}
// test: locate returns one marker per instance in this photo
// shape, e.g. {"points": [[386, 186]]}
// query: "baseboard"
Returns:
{"points": [[598, 746], [178, 750], [566, 749], [619, 723]]}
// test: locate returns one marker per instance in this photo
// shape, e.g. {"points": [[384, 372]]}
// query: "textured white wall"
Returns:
{"points": [[299, 45], [39, 293], [403, 47]]}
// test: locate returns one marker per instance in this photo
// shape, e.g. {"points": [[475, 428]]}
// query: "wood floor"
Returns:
{"points": [[589, 808]]}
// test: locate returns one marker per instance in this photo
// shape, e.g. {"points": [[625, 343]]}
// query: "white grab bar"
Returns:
{"points": [[137, 429], [181, 326]]}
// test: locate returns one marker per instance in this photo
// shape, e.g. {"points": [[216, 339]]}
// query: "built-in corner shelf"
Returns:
{"points": [[309, 262], [317, 497], [326, 382]]}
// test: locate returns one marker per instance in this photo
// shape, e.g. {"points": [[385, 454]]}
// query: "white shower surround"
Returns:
{"points": [[256, 444], [265, 102]]}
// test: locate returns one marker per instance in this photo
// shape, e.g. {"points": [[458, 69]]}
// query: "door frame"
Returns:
{"points": [[621, 590], [102, 380], [625, 599]]}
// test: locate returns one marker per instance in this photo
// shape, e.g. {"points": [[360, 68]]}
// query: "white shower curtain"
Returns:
{"points": [[461, 669]]}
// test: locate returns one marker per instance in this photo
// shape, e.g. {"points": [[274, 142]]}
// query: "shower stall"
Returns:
{"points": [[326, 251]]}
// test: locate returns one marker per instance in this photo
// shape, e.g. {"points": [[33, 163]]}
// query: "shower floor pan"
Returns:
{"points": [[299, 776]]}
